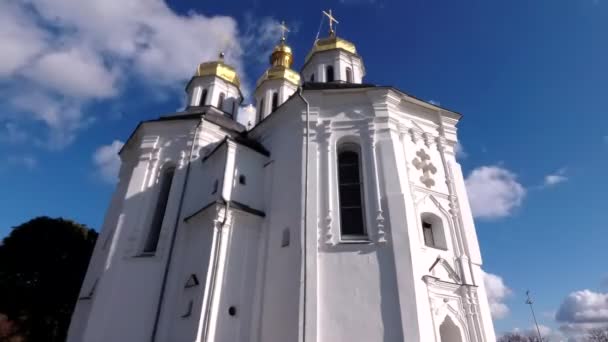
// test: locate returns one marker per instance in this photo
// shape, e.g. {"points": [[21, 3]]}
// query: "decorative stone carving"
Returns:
{"points": [[428, 139], [328, 235], [379, 212], [415, 135], [422, 162]]}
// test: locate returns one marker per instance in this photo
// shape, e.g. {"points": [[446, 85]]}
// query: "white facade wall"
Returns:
{"points": [[272, 249], [215, 86], [128, 278], [340, 60], [359, 283], [265, 91]]}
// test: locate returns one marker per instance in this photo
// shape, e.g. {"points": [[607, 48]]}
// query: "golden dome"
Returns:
{"points": [[280, 72], [281, 60], [220, 69], [331, 43], [281, 55]]}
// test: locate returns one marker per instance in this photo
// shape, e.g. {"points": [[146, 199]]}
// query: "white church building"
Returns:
{"points": [[336, 211]]}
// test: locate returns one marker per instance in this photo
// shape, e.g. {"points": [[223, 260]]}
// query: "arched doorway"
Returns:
{"points": [[449, 331]]}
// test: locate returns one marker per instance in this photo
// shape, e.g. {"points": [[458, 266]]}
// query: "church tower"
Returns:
{"points": [[333, 59], [279, 81], [340, 215], [216, 84]]}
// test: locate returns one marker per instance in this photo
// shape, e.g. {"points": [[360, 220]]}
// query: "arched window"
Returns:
{"points": [[449, 331], [432, 231], [261, 110], [220, 102], [329, 73], [275, 101], [350, 190], [164, 188], [203, 98], [349, 75]]}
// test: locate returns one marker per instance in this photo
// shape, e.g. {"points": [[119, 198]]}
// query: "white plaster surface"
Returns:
{"points": [[389, 286]]}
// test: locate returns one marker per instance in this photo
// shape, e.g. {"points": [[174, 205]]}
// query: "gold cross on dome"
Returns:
{"points": [[284, 29], [332, 20]]}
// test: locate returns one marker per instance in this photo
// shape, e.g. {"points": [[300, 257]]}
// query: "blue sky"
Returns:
{"points": [[530, 78]]}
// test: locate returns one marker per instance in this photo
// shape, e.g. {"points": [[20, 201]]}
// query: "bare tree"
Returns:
{"points": [[597, 335], [517, 337]]}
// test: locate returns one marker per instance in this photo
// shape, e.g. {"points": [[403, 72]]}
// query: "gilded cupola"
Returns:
{"points": [[281, 60], [278, 82], [216, 84], [332, 42], [220, 69]]}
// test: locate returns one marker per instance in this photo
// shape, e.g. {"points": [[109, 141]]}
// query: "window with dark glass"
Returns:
{"points": [[203, 98], [427, 231], [349, 75], [220, 102], [312, 78], [275, 101], [234, 108], [329, 74], [164, 188], [433, 231], [261, 111], [350, 192]]}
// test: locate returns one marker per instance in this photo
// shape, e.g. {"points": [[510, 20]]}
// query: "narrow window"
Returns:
{"points": [[275, 101], [350, 192], [261, 111], [242, 180], [234, 108], [433, 231], [349, 75], [215, 185], [329, 74], [220, 103], [312, 78], [285, 238], [203, 98], [188, 311], [427, 231], [159, 212]]}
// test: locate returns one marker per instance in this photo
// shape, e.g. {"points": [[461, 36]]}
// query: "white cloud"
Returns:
{"points": [[497, 293], [107, 161], [555, 178], [582, 311], [494, 192], [459, 150], [69, 53], [584, 307], [61, 116], [87, 77], [21, 38]]}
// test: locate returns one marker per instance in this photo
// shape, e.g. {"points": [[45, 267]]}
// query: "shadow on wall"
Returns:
{"points": [[387, 280]]}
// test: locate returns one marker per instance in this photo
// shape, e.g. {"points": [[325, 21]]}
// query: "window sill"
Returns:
{"points": [[145, 255], [355, 240], [436, 247]]}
